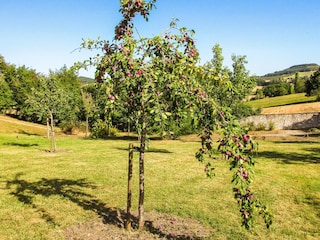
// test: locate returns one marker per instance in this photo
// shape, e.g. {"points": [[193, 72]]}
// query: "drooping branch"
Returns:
{"points": [[239, 150]]}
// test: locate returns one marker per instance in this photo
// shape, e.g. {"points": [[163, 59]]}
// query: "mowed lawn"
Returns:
{"points": [[281, 100], [42, 193]]}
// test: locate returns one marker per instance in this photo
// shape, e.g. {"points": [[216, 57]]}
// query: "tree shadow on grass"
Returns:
{"points": [[314, 202], [75, 191], [21, 144], [126, 138], [292, 158], [302, 141], [149, 150], [72, 190], [27, 133]]}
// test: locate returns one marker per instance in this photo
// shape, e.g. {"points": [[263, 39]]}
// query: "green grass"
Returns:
{"points": [[42, 193], [12, 125], [281, 100]]}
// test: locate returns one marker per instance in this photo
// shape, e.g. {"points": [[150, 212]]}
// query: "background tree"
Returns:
{"points": [[313, 84], [21, 80], [102, 117], [228, 87], [67, 80], [278, 89], [88, 105], [3, 65], [6, 96], [299, 84], [215, 76], [259, 94], [106, 110], [48, 101]]}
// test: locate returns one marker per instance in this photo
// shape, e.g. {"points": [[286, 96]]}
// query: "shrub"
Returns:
{"points": [[101, 129], [184, 128], [316, 93], [251, 126], [241, 110], [271, 126], [261, 127], [71, 127], [314, 130]]}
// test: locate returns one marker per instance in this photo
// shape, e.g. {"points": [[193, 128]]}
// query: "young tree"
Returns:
{"points": [[48, 101], [151, 77], [155, 79]]}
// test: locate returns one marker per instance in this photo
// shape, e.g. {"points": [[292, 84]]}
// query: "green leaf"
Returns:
{"points": [[164, 116]]}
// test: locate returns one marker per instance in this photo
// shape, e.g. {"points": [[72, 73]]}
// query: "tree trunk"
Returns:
{"points": [[53, 141], [48, 128], [108, 118], [87, 125], [129, 197], [128, 128], [141, 171]]}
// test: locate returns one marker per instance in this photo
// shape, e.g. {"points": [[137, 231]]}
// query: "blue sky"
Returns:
{"points": [[273, 34]]}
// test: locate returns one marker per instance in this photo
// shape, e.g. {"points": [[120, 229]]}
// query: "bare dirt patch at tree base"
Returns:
{"points": [[295, 108], [157, 226]]}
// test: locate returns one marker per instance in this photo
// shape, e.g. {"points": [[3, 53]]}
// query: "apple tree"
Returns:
{"points": [[155, 79]]}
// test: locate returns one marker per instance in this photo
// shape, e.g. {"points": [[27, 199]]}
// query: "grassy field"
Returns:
{"points": [[281, 100], [12, 125], [286, 77], [301, 75], [42, 193]]}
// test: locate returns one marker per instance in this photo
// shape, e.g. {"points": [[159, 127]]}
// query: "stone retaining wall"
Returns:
{"points": [[285, 121]]}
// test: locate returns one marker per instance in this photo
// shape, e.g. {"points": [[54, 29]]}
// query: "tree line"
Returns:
{"points": [[30, 95], [60, 99], [279, 87]]}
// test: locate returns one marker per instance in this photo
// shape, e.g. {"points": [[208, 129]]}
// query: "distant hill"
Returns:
{"points": [[294, 69], [86, 80], [288, 74]]}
